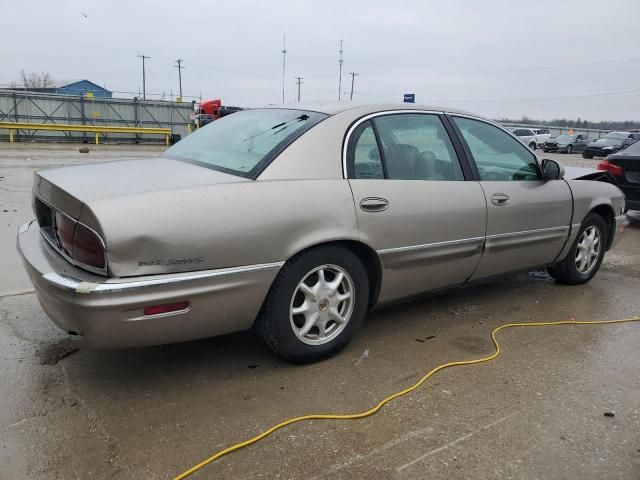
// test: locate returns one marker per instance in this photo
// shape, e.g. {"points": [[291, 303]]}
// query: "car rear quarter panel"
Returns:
{"points": [[221, 226], [588, 195]]}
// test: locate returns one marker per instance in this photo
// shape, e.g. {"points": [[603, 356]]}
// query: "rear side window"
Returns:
{"points": [[497, 155], [365, 153], [414, 147]]}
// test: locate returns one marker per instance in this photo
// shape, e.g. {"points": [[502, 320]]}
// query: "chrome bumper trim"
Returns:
{"points": [[68, 283]]}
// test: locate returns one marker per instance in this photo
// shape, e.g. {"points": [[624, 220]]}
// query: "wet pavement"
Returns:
{"points": [[537, 412]]}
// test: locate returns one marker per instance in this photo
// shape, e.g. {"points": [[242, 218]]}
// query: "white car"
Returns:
{"points": [[527, 136], [542, 135]]}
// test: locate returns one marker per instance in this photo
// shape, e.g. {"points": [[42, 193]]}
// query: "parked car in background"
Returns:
{"points": [[566, 143], [527, 136], [296, 221], [225, 110], [542, 135], [612, 142], [624, 166]]}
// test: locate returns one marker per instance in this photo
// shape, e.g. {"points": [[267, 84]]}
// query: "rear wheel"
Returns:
{"points": [[315, 305], [585, 256], [587, 155]]}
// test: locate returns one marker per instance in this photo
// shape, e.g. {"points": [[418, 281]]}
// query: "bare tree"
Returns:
{"points": [[36, 80]]}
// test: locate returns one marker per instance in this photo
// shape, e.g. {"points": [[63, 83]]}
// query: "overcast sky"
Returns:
{"points": [[543, 59]]}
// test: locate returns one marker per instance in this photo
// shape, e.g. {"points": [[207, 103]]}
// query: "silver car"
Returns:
{"points": [[296, 221]]}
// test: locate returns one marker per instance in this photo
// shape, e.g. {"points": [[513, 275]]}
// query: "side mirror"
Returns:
{"points": [[552, 170]]}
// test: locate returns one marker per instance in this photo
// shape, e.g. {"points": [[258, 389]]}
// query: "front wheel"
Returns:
{"points": [[532, 146], [315, 305], [569, 149], [585, 256]]}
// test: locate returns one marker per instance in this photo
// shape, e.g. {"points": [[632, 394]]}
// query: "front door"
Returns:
{"points": [[413, 203], [528, 218]]}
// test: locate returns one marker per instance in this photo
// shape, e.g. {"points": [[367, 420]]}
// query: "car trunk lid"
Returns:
{"points": [[68, 188]]}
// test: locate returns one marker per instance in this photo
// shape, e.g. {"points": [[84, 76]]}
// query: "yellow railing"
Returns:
{"points": [[95, 129]]}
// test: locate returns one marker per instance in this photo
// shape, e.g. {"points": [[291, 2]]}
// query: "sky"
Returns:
{"points": [[499, 58]]}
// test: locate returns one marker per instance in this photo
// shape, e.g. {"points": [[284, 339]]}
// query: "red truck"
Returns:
{"points": [[210, 110]]}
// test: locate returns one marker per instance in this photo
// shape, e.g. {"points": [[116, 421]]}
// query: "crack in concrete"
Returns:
{"points": [[113, 444], [17, 294]]}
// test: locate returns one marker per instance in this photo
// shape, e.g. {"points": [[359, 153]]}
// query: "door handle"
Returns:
{"points": [[374, 204], [499, 199]]}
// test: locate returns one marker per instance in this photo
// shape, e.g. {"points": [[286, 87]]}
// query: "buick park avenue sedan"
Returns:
{"points": [[295, 222]]}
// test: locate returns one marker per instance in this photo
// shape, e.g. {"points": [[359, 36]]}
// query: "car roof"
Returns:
{"points": [[333, 108]]}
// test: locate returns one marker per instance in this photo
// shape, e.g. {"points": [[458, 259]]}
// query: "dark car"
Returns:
{"points": [[611, 143], [624, 166], [225, 110], [566, 143]]}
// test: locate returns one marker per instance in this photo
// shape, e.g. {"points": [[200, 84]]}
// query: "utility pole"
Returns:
{"points": [[299, 82], [180, 67], [144, 80], [353, 77], [284, 61], [340, 62]]}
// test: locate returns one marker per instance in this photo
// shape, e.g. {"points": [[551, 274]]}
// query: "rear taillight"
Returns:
{"points": [[65, 228], [614, 170], [87, 247], [80, 244]]}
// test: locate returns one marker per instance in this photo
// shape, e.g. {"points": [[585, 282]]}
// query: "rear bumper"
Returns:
{"points": [[108, 312]]}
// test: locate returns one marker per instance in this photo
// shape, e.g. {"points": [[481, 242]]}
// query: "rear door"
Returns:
{"points": [[416, 203], [528, 218]]}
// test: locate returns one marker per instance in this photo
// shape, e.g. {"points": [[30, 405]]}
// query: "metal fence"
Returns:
{"points": [[17, 106]]}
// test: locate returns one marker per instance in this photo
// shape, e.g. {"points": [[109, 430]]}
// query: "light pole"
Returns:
{"points": [[340, 62], [353, 77], [284, 61], [299, 82], [180, 67], [144, 79]]}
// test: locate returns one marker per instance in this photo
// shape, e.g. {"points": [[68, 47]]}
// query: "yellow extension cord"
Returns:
{"points": [[376, 408]]}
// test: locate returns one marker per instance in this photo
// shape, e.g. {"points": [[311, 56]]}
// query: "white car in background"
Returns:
{"points": [[542, 135], [527, 136]]}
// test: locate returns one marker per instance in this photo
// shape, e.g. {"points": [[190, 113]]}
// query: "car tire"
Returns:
{"points": [[532, 146], [569, 149], [587, 155], [582, 262], [290, 307]]}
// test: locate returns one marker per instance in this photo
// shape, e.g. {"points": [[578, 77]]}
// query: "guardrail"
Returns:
{"points": [[95, 129]]}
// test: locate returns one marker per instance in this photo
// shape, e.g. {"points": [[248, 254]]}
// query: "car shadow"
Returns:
{"points": [[244, 354]]}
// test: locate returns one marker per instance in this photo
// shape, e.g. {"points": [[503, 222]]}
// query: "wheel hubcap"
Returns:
{"points": [[588, 249], [322, 304]]}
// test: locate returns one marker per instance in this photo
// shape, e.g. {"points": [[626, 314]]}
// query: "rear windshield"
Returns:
{"points": [[610, 141], [565, 138], [244, 143], [634, 148]]}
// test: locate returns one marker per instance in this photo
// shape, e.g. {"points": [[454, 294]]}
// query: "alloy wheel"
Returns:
{"points": [[588, 249], [322, 304]]}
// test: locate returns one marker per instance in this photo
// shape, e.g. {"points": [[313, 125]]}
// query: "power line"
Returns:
{"points": [[144, 79], [353, 77], [299, 82], [180, 67], [340, 61]]}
